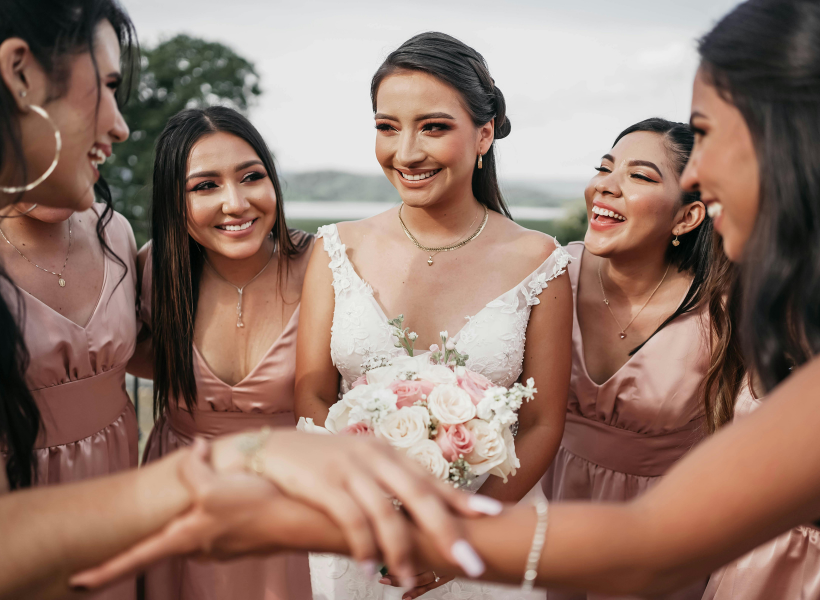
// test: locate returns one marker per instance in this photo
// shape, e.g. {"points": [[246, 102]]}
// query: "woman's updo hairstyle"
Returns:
{"points": [[461, 67]]}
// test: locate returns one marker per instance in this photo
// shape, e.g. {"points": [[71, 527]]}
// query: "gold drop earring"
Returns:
{"points": [[480, 161], [676, 242]]}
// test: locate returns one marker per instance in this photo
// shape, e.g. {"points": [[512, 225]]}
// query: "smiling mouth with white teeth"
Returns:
{"points": [[97, 157], [419, 176], [602, 212], [236, 227], [714, 210]]}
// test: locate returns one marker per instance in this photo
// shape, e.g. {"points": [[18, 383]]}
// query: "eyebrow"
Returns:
{"points": [[433, 115], [239, 167], [636, 163]]}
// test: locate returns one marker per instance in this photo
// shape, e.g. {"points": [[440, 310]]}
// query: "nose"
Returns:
{"points": [[119, 132], [234, 201], [689, 180], [410, 151], [608, 185]]}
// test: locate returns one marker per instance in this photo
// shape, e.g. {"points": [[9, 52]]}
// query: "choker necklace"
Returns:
{"points": [[60, 278], [240, 290], [433, 251], [622, 333]]}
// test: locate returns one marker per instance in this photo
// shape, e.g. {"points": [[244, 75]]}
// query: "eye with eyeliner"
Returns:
{"points": [[643, 177], [384, 127], [602, 169], [435, 127]]}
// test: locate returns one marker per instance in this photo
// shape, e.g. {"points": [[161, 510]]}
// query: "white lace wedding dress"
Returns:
{"points": [[494, 340]]}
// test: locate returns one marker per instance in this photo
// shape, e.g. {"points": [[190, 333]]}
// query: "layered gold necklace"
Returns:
{"points": [[433, 251], [60, 278]]}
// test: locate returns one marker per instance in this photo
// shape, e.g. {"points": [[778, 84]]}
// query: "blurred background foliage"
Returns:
{"points": [[188, 72]]}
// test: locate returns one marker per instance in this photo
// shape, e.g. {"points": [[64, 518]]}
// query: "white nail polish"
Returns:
{"points": [[467, 558], [368, 567], [485, 505]]}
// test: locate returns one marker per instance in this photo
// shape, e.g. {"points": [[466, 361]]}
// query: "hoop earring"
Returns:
{"points": [[58, 143], [676, 242], [480, 161]]}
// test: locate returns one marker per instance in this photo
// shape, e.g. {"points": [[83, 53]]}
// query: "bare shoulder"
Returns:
{"points": [[533, 246], [353, 233]]}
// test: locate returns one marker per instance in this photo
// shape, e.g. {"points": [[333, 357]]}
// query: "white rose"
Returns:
{"points": [[428, 455], [510, 463], [438, 374], [405, 427], [489, 450], [450, 404], [339, 414], [308, 426], [384, 376], [373, 404]]}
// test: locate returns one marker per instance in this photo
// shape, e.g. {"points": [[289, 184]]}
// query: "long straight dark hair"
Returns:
{"points": [[764, 58], [54, 30], [463, 68], [694, 253], [178, 260]]}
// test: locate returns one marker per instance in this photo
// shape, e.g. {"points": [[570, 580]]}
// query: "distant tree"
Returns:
{"points": [[573, 227], [179, 73]]}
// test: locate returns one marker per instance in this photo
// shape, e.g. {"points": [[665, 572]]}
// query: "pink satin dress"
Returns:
{"points": [[77, 377], [787, 567], [264, 398], [622, 435]]}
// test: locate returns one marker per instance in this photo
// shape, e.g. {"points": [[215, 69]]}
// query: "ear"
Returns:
{"points": [[22, 74], [486, 135], [689, 217]]}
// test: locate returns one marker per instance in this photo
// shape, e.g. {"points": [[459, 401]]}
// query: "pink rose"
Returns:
{"points": [[455, 440], [474, 384], [362, 380], [357, 429], [409, 392]]}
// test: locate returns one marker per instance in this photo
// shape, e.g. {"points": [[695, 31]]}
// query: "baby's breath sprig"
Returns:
{"points": [[461, 474], [448, 355], [406, 338]]}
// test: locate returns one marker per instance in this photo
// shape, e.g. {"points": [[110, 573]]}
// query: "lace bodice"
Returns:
{"points": [[493, 338]]}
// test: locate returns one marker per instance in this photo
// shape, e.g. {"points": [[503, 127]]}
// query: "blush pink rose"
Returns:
{"points": [[410, 392], [357, 429], [474, 384], [362, 380], [455, 440]]}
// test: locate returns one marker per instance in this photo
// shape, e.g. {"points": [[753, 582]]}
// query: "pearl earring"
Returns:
{"points": [[23, 93]]}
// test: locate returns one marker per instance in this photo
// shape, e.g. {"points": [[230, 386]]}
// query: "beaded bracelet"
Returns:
{"points": [[531, 570], [252, 445]]}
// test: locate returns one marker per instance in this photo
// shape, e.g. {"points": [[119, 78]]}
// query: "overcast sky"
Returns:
{"points": [[574, 72]]}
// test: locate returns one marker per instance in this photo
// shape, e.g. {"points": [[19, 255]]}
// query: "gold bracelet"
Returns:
{"points": [[252, 446], [531, 570]]}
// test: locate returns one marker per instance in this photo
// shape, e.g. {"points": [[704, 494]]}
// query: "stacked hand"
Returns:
{"points": [[325, 493]]}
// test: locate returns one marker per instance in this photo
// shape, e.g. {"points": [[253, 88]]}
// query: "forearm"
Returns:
{"points": [[311, 406], [141, 363], [535, 448], [51, 532]]}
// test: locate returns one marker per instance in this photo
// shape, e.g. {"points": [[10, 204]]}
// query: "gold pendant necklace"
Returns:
{"points": [[60, 278], [433, 251], [622, 333]]}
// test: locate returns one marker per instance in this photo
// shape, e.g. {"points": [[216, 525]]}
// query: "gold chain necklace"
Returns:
{"points": [[433, 251], [60, 278], [240, 290], [622, 334]]}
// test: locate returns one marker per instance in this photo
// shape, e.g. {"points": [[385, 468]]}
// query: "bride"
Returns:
{"points": [[449, 258]]}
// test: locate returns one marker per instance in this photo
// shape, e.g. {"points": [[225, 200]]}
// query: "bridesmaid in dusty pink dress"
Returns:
{"points": [[80, 329], [242, 281], [632, 413]]}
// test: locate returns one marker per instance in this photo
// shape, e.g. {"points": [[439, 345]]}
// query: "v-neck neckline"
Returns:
{"points": [[469, 319], [256, 367]]}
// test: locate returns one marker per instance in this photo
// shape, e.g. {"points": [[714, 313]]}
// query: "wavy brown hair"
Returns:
{"points": [[178, 260]]}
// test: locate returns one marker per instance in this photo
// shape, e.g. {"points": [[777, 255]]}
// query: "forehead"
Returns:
{"points": [[106, 48], [217, 150], [408, 93], [642, 145]]}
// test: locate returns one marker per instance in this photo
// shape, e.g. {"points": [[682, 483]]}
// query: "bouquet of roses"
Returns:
{"points": [[451, 420]]}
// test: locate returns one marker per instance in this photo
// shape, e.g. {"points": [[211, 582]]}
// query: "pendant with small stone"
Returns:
{"points": [[430, 262], [622, 335], [61, 281]]}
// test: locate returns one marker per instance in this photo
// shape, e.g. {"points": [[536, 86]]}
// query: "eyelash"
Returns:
{"points": [[252, 176], [426, 127], [635, 175]]}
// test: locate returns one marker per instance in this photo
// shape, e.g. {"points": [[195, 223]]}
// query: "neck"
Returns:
{"points": [[240, 271], [26, 232], [635, 276], [442, 222]]}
